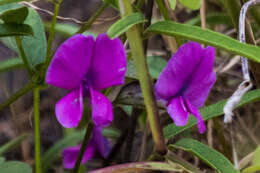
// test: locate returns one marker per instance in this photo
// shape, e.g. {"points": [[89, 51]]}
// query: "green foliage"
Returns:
{"points": [[13, 143], [210, 156], [209, 112], [192, 4], [172, 4], [212, 19], [66, 30], [124, 24], [4, 2], [155, 66], [206, 36], [15, 167], [54, 152], [256, 162], [12, 63], [13, 29], [34, 47], [113, 3], [15, 15], [111, 132]]}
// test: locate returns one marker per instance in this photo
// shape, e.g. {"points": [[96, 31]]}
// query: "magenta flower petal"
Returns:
{"points": [[102, 112], [176, 75], [69, 109], [70, 155], [71, 62], [108, 63], [197, 115], [186, 81], [102, 144], [178, 112], [202, 80]]}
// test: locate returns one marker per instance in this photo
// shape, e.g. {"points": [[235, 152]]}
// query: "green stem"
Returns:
{"points": [[23, 56], [51, 35], [92, 19], [163, 9], [83, 147], [17, 95], [137, 50], [37, 147]]}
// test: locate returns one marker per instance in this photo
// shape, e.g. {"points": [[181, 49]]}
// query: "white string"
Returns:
{"points": [[246, 85]]}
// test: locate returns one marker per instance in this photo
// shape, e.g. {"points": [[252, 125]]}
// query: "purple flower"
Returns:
{"points": [[97, 143], [185, 82], [85, 66]]}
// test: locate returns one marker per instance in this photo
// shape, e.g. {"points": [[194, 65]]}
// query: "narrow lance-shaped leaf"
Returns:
{"points": [[11, 63], [192, 4], [66, 30], [13, 143], [206, 36], [53, 153], [256, 162], [209, 112], [211, 19], [135, 166], [172, 4], [210, 156], [124, 24]]}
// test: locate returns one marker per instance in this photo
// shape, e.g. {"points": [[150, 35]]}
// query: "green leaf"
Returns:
{"points": [[155, 65], [13, 143], [252, 169], [256, 162], [131, 70], [209, 112], [14, 29], [135, 166], [212, 19], [34, 47], [15, 15], [2, 159], [192, 4], [66, 30], [111, 132], [15, 167], [113, 3], [210, 156], [206, 36], [172, 4], [3, 2], [12, 63], [124, 24], [54, 152]]}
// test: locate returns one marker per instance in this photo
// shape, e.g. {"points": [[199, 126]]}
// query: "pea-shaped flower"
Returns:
{"points": [[185, 82], [96, 144], [85, 67]]}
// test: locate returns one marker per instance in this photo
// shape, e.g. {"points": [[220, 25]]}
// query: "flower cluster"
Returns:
{"points": [[85, 66]]}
